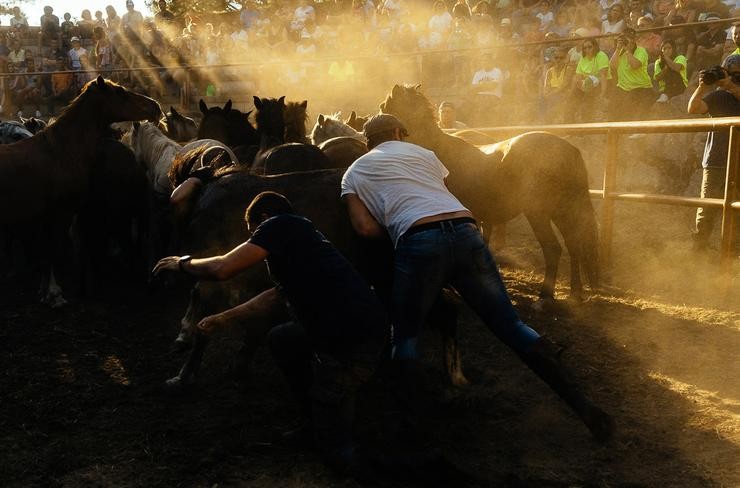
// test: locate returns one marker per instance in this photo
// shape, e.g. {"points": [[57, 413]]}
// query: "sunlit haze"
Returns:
{"points": [[33, 10]]}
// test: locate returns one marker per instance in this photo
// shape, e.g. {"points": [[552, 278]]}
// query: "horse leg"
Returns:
{"points": [[551, 250], [259, 314], [572, 242], [188, 322], [444, 315], [51, 291]]}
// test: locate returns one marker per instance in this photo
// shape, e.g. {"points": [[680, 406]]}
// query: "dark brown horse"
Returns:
{"points": [[44, 179], [275, 156], [295, 118], [356, 122], [537, 174], [228, 125], [215, 224]]}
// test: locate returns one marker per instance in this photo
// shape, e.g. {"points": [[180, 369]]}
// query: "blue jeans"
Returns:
{"points": [[453, 254]]}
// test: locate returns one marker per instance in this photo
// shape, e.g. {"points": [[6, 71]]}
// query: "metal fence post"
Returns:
{"points": [[728, 214], [607, 206]]}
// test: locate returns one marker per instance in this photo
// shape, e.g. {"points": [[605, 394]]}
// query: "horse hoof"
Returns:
{"points": [[54, 301]]}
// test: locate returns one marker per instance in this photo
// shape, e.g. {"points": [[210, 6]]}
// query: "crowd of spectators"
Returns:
{"points": [[459, 50]]}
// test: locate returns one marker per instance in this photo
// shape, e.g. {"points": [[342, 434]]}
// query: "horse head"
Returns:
{"points": [[270, 119], [179, 127], [330, 126], [295, 117], [112, 102], [227, 125], [355, 121], [33, 124], [411, 107]]}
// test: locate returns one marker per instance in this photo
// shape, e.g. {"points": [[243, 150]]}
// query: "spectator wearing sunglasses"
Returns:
{"points": [[718, 95], [556, 87]]}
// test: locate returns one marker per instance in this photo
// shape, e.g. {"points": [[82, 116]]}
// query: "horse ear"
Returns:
{"points": [[321, 120], [304, 104], [173, 111], [203, 107], [382, 107], [352, 117], [100, 81], [227, 106], [281, 100], [257, 102], [396, 92]]}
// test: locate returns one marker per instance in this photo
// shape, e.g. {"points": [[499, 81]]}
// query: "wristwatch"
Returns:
{"points": [[183, 260]]}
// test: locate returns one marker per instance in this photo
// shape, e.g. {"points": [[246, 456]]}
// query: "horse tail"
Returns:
{"points": [[588, 227]]}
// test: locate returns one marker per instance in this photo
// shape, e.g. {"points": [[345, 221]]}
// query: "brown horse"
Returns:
{"points": [[295, 117], [44, 179], [537, 174], [178, 127]]}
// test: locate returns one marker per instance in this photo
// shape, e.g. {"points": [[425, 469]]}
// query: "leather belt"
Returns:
{"points": [[440, 224]]}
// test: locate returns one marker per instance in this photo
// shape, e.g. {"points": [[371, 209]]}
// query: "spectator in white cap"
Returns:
{"points": [[76, 53]]}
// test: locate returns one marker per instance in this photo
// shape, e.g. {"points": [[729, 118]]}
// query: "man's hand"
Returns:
{"points": [[210, 323], [170, 263]]}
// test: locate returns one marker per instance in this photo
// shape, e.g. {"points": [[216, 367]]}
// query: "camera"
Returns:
{"points": [[712, 75]]}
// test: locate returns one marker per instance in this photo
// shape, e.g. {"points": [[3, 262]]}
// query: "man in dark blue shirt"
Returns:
{"points": [[722, 102], [333, 345]]}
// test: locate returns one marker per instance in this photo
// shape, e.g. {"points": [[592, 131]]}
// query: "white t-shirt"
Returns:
{"points": [[75, 57], [494, 75], [400, 183], [440, 22]]}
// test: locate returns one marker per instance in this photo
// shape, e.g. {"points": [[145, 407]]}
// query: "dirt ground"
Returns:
{"points": [[81, 402]]}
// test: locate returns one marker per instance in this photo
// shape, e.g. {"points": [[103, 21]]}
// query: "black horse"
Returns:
{"points": [[232, 127], [275, 156]]}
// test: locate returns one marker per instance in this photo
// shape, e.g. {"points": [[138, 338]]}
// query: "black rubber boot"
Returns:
{"points": [[544, 359]]}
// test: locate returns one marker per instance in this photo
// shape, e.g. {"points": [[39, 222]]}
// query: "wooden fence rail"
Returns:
{"points": [[613, 130]]}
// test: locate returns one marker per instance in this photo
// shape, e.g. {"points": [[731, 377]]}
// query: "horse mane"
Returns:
{"points": [[411, 105], [295, 117], [214, 159]]}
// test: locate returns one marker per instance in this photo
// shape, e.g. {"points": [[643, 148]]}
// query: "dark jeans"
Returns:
{"points": [[325, 385], [454, 254]]}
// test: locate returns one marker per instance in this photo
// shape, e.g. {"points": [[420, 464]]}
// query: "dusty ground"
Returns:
{"points": [[81, 401]]}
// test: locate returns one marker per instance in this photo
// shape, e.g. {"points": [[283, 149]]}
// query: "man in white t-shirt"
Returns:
{"points": [[399, 188]]}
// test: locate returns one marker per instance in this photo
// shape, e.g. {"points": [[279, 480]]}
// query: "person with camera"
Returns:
{"points": [[634, 92], [670, 72], [718, 95]]}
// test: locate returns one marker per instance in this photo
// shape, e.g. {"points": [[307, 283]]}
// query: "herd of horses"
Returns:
{"points": [[80, 173]]}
